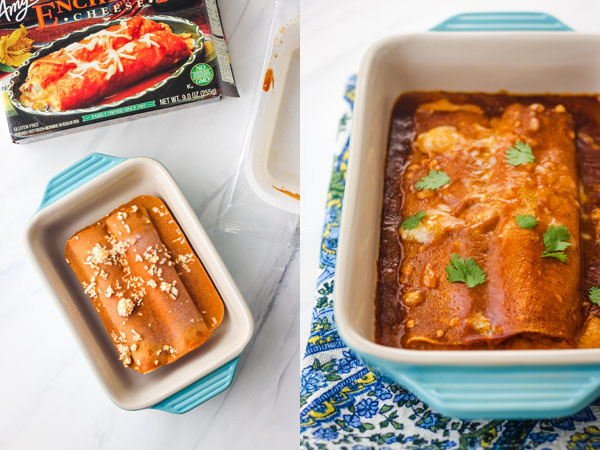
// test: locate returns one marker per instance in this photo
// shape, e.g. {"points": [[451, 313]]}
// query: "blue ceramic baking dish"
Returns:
{"points": [[479, 52], [80, 195]]}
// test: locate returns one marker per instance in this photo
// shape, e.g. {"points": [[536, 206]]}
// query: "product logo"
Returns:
{"points": [[19, 9], [202, 74], [52, 13]]}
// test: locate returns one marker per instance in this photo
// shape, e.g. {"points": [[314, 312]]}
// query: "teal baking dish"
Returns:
{"points": [[81, 194], [482, 53]]}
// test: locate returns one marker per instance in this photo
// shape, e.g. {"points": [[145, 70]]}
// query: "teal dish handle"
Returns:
{"points": [[200, 391], [76, 175], [495, 392], [502, 21]]}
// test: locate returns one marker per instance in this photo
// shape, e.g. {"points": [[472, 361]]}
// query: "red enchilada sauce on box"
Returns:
{"points": [[138, 87]]}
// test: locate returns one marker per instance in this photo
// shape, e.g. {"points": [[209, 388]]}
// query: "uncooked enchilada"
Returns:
{"points": [[489, 223], [151, 291], [102, 64]]}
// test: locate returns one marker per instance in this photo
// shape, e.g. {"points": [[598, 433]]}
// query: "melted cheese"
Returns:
{"points": [[101, 39], [147, 39], [433, 225], [112, 62], [481, 324], [446, 105], [443, 139]]}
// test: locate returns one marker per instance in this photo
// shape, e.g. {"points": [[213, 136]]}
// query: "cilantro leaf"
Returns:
{"points": [[412, 222], [520, 153], [595, 295], [526, 221], [465, 271], [558, 255], [435, 179], [554, 237], [555, 240]]}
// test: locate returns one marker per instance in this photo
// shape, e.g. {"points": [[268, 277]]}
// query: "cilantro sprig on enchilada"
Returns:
{"points": [[490, 223]]}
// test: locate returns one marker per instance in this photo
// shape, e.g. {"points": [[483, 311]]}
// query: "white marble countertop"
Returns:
{"points": [[334, 39], [49, 397]]}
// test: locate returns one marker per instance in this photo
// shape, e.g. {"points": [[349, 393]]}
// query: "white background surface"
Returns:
{"points": [[49, 397], [334, 38]]}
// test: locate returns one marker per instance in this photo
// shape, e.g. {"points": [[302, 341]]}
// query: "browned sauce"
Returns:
{"points": [[269, 80], [288, 193], [526, 301]]}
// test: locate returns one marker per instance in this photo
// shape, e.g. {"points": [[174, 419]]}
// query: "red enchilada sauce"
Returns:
{"points": [[526, 301], [291, 194], [269, 80], [138, 87]]}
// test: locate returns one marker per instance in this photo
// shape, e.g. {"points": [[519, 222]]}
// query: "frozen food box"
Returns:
{"points": [[72, 64]]}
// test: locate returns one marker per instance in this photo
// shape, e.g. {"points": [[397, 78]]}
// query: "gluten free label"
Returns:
{"points": [[202, 74]]}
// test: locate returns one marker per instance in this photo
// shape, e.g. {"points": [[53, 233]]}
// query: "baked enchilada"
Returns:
{"points": [[490, 223]]}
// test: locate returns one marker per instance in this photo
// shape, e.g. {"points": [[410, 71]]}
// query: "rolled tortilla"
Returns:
{"points": [[137, 336], [50, 68], [524, 296], [103, 64], [128, 264]]}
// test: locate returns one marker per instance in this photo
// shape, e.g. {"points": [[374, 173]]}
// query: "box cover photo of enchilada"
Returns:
{"points": [[67, 64]]}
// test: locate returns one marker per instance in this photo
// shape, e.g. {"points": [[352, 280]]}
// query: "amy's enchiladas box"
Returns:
{"points": [[66, 64]]}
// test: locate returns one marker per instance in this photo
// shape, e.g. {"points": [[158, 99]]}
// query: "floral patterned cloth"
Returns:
{"points": [[345, 406]]}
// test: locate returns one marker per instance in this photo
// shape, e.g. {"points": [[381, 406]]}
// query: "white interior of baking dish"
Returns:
{"points": [[489, 62], [46, 236]]}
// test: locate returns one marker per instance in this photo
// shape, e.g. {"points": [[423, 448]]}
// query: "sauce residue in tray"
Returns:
{"points": [[268, 81], [288, 193]]}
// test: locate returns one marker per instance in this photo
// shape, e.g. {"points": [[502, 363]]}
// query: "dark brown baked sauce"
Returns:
{"points": [[391, 313]]}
